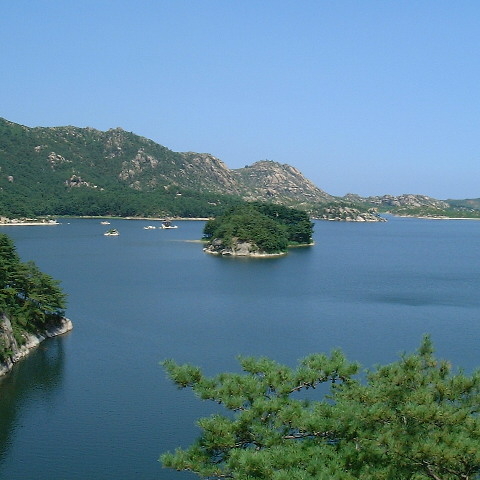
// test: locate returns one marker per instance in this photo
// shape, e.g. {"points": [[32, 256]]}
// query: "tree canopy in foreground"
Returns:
{"points": [[413, 419]]}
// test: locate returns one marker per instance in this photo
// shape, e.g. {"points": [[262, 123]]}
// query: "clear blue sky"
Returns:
{"points": [[367, 97]]}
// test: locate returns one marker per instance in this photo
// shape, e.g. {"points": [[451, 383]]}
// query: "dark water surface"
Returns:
{"points": [[95, 404]]}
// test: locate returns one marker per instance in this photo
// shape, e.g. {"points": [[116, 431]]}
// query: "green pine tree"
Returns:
{"points": [[413, 419]]}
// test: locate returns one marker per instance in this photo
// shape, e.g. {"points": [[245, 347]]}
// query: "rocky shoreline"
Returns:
{"points": [[29, 222], [238, 249], [32, 341]]}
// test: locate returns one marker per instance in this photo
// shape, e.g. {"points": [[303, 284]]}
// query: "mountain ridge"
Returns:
{"points": [[51, 168]]}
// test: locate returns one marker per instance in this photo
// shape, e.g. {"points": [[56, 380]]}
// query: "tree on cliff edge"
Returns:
{"points": [[413, 419], [31, 299]]}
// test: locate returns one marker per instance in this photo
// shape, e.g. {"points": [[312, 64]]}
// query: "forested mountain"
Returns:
{"points": [[83, 171], [70, 170], [419, 205]]}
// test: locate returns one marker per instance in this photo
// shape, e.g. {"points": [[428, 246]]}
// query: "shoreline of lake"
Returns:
{"points": [[28, 224], [33, 340]]}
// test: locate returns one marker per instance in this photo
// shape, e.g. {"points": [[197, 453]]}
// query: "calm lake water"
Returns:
{"points": [[95, 404]]}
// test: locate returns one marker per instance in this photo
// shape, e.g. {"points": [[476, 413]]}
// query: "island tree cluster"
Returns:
{"points": [[270, 227], [31, 299], [414, 419]]}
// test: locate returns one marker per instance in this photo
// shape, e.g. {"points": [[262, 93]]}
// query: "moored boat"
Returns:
{"points": [[168, 224]]}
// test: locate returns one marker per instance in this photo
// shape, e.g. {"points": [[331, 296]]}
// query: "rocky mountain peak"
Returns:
{"points": [[273, 181]]}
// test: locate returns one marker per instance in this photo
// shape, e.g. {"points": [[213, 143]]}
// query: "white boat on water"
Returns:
{"points": [[149, 227], [168, 224], [113, 232], [104, 222]]}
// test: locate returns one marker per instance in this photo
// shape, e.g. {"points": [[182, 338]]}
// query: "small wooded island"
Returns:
{"points": [[257, 229], [32, 306]]}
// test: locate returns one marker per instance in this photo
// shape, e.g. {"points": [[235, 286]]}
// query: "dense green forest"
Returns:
{"points": [[414, 419], [83, 171], [272, 228], [19, 200], [31, 299], [118, 201]]}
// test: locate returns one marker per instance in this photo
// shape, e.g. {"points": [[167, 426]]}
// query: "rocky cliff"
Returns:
{"points": [[16, 351]]}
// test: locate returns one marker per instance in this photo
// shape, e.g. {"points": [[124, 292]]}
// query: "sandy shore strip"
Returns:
{"points": [[437, 218], [172, 219], [27, 224]]}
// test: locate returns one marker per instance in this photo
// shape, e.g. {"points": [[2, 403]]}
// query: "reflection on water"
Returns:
{"points": [[36, 378]]}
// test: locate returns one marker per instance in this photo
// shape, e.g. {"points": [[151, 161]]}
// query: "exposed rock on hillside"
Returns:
{"points": [[406, 200], [75, 181], [412, 205], [207, 172], [53, 158], [279, 183], [349, 214]]}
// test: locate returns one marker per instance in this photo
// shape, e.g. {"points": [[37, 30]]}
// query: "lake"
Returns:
{"points": [[95, 403]]}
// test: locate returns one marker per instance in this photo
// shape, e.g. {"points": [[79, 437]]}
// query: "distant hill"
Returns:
{"points": [[468, 204], [84, 171], [419, 206]]}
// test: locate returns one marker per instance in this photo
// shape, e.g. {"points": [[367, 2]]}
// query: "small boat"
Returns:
{"points": [[149, 227], [105, 223], [113, 232], [167, 224]]}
